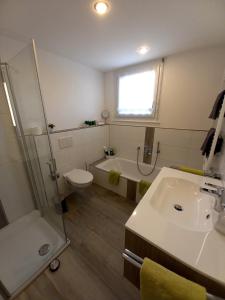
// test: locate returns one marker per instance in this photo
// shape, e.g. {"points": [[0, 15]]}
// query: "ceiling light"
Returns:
{"points": [[101, 7], [143, 50]]}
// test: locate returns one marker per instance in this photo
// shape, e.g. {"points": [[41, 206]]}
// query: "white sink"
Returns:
{"points": [[189, 235], [180, 201]]}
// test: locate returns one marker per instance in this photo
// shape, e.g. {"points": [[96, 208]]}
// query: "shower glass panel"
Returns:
{"points": [[42, 222]]}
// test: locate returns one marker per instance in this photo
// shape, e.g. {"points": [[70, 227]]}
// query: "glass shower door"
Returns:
{"points": [[21, 81], [23, 72]]}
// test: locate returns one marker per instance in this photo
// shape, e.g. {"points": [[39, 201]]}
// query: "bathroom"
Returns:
{"points": [[87, 170]]}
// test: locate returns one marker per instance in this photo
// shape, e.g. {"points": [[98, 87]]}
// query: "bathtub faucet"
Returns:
{"points": [[147, 151]]}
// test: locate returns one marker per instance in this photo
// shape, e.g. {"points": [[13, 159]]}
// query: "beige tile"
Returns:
{"points": [[195, 159], [174, 154], [126, 139], [172, 137], [197, 139]]}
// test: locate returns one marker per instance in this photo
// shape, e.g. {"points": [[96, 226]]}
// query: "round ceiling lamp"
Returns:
{"points": [[101, 7]]}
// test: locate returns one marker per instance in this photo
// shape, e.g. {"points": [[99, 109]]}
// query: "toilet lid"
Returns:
{"points": [[79, 176]]}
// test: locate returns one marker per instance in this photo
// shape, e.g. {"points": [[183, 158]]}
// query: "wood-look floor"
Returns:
{"points": [[92, 267]]}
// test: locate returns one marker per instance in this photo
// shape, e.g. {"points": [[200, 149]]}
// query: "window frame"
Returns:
{"points": [[132, 71]]}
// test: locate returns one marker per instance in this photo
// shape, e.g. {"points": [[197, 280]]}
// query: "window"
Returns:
{"points": [[137, 94]]}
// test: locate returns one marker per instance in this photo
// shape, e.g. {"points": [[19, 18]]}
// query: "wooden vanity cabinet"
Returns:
{"points": [[144, 249]]}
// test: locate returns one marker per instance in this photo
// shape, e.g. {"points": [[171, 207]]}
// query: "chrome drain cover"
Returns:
{"points": [[178, 207], [44, 249]]}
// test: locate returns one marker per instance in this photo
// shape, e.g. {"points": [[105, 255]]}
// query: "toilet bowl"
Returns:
{"points": [[79, 178]]}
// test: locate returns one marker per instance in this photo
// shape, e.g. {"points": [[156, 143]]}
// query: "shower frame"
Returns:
{"points": [[31, 178]]}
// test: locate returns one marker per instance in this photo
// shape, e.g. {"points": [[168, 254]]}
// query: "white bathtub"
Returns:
{"points": [[128, 170]]}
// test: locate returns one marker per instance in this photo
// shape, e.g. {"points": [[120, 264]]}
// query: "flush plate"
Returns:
{"points": [[65, 142]]}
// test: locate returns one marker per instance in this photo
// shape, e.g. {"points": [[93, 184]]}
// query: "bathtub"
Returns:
{"points": [[129, 179]]}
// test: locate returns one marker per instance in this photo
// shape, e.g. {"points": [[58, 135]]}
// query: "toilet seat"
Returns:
{"points": [[79, 178]]}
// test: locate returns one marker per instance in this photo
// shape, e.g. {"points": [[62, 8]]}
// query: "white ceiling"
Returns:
{"points": [[70, 28]]}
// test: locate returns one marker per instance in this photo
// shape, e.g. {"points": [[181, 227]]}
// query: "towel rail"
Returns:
{"points": [[137, 261]]}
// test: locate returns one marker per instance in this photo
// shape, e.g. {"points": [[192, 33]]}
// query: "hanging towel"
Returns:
{"points": [[206, 146], [219, 145], [217, 106], [114, 177], [189, 170], [143, 187], [158, 283]]}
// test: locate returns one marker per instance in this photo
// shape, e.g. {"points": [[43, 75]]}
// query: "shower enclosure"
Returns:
{"points": [[32, 232]]}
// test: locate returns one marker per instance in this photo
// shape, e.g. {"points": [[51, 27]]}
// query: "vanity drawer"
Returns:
{"points": [[144, 249]]}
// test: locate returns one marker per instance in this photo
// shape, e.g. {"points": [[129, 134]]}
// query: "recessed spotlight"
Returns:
{"points": [[143, 50], [101, 7]]}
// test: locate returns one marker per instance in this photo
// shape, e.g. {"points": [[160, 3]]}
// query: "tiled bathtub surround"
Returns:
{"points": [[126, 139], [177, 147], [128, 185]]}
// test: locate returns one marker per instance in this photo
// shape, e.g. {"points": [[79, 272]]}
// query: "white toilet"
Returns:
{"points": [[79, 178]]}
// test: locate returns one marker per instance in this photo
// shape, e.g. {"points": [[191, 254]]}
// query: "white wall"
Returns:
{"points": [[125, 140], [190, 84], [177, 147], [87, 147], [191, 81], [9, 48], [72, 92]]}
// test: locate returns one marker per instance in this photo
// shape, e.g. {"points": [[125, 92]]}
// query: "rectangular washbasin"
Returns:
{"points": [[180, 201]]}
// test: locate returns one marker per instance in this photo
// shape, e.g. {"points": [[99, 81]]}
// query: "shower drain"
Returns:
{"points": [[178, 207], [44, 249]]}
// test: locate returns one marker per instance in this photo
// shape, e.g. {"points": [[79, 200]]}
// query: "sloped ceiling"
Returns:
{"points": [[70, 28]]}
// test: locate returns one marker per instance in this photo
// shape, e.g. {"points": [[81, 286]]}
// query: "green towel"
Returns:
{"points": [[158, 283], [144, 186], [114, 177], [190, 170]]}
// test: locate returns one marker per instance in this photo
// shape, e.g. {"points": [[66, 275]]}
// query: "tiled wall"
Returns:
{"points": [[177, 147], [15, 192], [125, 139], [87, 147]]}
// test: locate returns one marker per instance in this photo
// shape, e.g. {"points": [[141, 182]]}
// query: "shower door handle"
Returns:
{"points": [[50, 168], [54, 175]]}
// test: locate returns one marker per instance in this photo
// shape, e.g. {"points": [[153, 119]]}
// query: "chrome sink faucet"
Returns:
{"points": [[217, 191]]}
